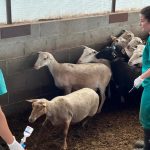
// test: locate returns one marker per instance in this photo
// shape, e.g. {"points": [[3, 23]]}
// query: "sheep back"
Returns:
{"points": [[75, 106]]}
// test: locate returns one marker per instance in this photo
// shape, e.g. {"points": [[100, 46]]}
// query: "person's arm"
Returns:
{"points": [[145, 74], [138, 81], [6, 134]]}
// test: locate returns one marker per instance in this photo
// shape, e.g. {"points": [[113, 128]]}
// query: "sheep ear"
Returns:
{"points": [[44, 104], [123, 31], [94, 52], [134, 48], [32, 100], [113, 37], [130, 36], [84, 46], [39, 52]]}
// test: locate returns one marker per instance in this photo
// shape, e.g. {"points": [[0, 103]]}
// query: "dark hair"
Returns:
{"points": [[146, 13]]}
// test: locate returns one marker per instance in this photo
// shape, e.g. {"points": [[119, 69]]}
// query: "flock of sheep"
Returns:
{"points": [[131, 46], [81, 81]]}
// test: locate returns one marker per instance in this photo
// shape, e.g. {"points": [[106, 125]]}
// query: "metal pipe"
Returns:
{"points": [[113, 6], [8, 11]]}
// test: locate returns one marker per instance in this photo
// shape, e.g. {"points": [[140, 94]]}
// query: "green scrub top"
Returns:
{"points": [[146, 62], [145, 101], [3, 88]]}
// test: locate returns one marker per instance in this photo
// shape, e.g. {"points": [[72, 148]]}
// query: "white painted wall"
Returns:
{"points": [[2, 11], [27, 10], [131, 4]]}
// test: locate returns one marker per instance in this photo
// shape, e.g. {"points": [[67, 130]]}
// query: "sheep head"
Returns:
{"points": [[87, 56], [38, 109], [128, 35], [119, 41], [136, 58], [44, 58]]}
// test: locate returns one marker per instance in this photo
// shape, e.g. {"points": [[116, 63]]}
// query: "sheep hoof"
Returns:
{"points": [[84, 125], [35, 146], [77, 134], [139, 144], [64, 148]]}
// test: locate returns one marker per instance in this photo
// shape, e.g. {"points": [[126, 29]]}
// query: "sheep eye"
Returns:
{"points": [[88, 54], [45, 58], [37, 106]]}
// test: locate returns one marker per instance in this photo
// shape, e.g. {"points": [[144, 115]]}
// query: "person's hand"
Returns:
{"points": [[15, 146], [138, 81]]}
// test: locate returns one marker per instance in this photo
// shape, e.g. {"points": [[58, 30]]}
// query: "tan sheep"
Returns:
{"points": [[72, 77], [64, 110]]}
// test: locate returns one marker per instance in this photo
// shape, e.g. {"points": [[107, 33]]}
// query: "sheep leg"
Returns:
{"points": [[102, 96], [66, 128], [85, 121], [67, 90], [45, 121], [40, 133], [101, 102]]}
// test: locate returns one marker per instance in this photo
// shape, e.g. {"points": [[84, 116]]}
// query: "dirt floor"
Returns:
{"points": [[113, 130]]}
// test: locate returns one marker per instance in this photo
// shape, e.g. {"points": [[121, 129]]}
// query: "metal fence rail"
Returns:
{"points": [[8, 11], [109, 6]]}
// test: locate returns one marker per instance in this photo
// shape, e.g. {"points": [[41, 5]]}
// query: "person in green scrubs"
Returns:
{"points": [[144, 79], [5, 132]]}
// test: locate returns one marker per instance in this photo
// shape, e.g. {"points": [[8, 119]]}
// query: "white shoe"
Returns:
{"points": [[139, 144]]}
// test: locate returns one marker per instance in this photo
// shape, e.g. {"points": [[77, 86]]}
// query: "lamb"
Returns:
{"points": [[63, 110], [136, 58], [76, 76]]}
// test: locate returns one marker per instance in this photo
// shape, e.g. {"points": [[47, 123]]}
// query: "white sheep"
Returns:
{"points": [[120, 41], [76, 76], [129, 49], [127, 34], [63, 110], [89, 53], [88, 56], [136, 57], [123, 39]]}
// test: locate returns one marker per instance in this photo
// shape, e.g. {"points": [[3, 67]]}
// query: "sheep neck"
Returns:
{"points": [[50, 109], [54, 67], [47, 108]]}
